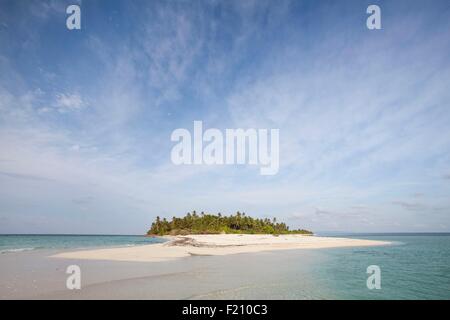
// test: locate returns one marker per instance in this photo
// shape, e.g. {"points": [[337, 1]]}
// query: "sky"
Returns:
{"points": [[86, 115]]}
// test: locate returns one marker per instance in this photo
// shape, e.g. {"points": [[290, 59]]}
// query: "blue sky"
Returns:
{"points": [[86, 115]]}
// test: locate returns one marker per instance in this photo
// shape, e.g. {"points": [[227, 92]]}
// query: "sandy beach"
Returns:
{"points": [[214, 245]]}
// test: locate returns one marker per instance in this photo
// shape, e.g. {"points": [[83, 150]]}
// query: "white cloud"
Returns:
{"points": [[66, 102]]}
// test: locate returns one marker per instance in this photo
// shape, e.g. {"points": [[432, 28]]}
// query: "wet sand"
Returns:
{"points": [[265, 275], [198, 267]]}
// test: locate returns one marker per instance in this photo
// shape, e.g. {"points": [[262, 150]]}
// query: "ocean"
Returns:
{"points": [[414, 266], [18, 243]]}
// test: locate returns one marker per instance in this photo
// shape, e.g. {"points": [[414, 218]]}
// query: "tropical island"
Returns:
{"points": [[215, 235], [204, 223]]}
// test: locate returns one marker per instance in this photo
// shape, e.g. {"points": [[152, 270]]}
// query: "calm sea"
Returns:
{"points": [[415, 266], [18, 243]]}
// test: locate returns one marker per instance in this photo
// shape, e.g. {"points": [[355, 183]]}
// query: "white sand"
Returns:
{"points": [[224, 244]]}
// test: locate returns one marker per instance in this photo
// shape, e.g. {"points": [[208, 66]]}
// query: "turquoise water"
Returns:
{"points": [[415, 266], [18, 243]]}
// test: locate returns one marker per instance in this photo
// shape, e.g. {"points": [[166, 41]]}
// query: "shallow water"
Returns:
{"points": [[18, 243], [413, 267]]}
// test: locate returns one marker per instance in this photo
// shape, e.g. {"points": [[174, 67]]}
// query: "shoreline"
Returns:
{"points": [[214, 245], [273, 274]]}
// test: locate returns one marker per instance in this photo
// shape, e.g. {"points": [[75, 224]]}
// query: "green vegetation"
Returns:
{"points": [[193, 223]]}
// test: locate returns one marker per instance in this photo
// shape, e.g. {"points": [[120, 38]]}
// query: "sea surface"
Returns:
{"points": [[18, 243], [414, 266]]}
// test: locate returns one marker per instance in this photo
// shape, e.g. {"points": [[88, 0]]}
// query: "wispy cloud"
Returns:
{"points": [[69, 102], [23, 176], [363, 116], [410, 205]]}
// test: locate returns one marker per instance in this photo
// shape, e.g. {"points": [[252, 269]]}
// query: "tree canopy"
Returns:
{"points": [[204, 223]]}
